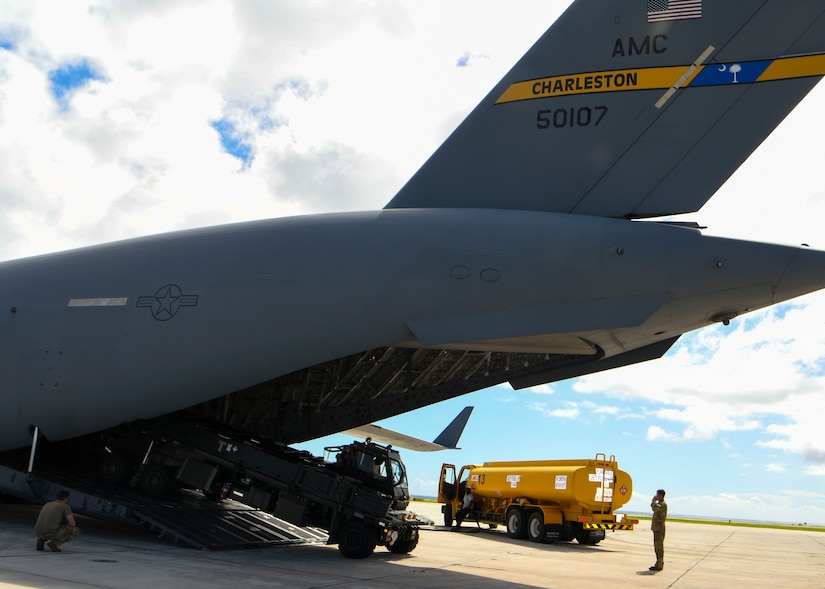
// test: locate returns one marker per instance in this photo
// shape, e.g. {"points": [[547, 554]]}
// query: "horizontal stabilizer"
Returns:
{"points": [[446, 440], [649, 352]]}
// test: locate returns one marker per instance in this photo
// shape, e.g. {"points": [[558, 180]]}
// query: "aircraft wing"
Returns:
{"points": [[629, 109], [446, 440]]}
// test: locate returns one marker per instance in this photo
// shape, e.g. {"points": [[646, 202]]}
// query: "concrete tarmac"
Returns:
{"points": [[696, 556]]}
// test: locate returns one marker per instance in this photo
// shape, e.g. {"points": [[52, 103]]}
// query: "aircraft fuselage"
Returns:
{"points": [[103, 335]]}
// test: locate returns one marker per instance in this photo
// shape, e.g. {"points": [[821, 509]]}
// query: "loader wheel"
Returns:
{"points": [[154, 480], [113, 469], [535, 527], [515, 523], [356, 539], [448, 515], [404, 547]]}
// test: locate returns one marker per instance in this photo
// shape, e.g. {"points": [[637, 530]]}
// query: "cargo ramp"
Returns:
{"points": [[184, 518]]}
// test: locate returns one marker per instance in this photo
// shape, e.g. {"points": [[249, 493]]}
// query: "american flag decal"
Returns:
{"points": [[664, 10]]}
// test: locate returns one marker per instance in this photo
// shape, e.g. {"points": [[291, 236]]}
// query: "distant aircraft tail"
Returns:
{"points": [[446, 440], [633, 109]]}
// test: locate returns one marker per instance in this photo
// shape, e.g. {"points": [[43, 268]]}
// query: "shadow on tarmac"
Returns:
{"points": [[500, 535], [140, 555]]}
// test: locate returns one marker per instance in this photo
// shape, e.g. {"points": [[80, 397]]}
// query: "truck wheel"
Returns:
{"points": [[567, 532], [535, 527], [356, 539], [515, 523], [404, 547], [448, 514], [587, 538], [154, 480]]}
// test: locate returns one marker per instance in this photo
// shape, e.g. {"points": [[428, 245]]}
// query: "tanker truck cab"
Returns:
{"points": [[451, 492], [543, 500]]}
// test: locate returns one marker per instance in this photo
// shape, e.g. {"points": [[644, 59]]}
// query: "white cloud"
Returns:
{"points": [[815, 470], [568, 411], [423, 487], [657, 434], [339, 105], [763, 373], [784, 506], [544, 389]]}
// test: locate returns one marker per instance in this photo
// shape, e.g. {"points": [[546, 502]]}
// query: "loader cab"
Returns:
{"points": [[379, 467]]}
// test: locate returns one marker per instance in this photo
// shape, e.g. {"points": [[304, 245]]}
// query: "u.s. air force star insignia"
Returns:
{"points": [[167, 301]]}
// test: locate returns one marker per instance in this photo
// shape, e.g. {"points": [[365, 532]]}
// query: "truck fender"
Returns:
{"points": [[541, 520]]}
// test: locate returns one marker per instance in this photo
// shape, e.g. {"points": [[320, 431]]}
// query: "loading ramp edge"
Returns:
{"points": [[186, 517]]}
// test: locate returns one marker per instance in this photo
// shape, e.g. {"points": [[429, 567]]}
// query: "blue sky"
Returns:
{"points": [[126, 119], [69, 77]]}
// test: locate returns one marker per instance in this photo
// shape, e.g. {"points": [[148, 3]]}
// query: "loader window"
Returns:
{"points": [[379, 468], [365, 463], [398, 474]]}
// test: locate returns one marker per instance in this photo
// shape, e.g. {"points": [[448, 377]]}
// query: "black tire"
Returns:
{"points": [[567, 532], [154, 480], [213, 493], [113, 469], [448, 515], [516, 527], [356, 539], [403, 547], [587, 539], [535, 527]]}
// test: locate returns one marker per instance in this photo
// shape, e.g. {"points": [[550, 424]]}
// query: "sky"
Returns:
{"points": [[120, 119]]}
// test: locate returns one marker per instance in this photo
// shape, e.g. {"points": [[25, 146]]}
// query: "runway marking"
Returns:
{"points": [[691, 567]]}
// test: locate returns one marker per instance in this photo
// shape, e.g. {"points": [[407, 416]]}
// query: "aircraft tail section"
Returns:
{"points": [[448, 439], [629, 109]]}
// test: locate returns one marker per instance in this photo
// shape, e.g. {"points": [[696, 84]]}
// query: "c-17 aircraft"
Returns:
{"points": [[525, 250]]}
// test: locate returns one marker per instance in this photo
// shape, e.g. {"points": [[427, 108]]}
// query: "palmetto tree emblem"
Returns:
{"points": [[734, 69]]}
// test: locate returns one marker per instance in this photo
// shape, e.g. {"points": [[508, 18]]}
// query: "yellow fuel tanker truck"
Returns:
{"points": [[543, 500]]}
